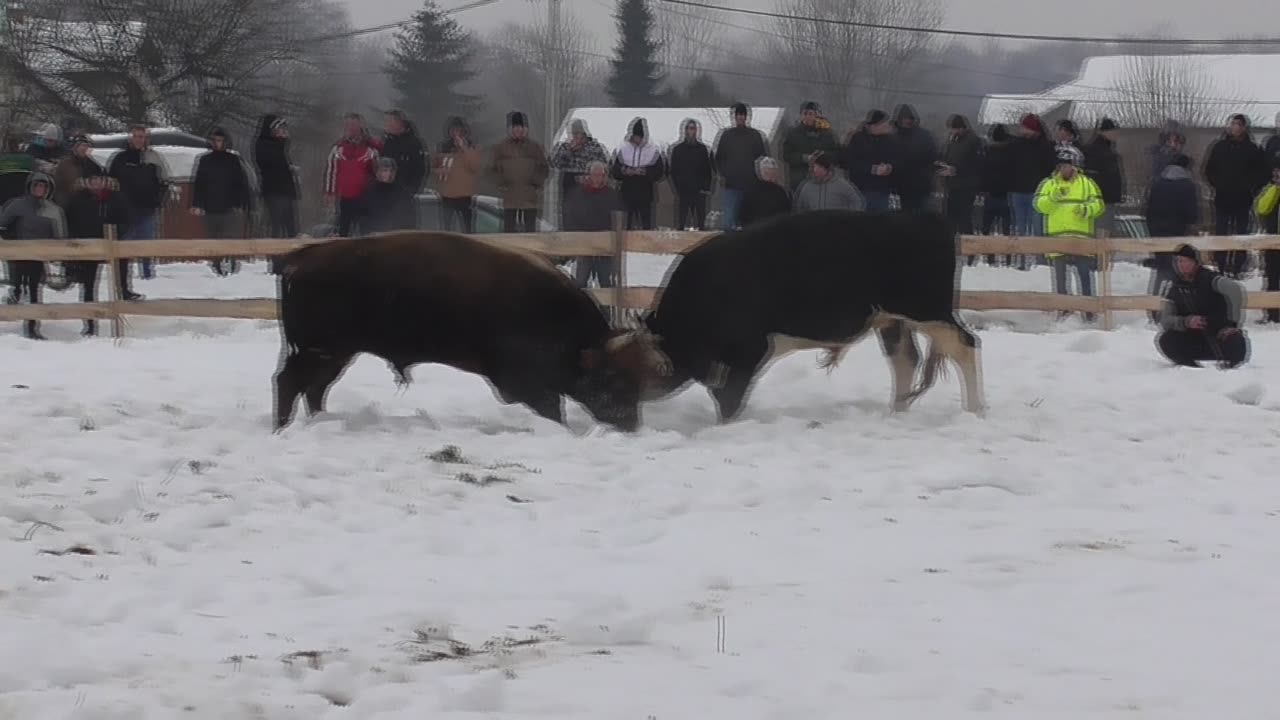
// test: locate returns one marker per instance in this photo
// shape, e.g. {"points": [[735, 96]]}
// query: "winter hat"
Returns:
{"points": [[637, 128], [740, 109], [1069, 127], [1070, 155], [822, 160], [875, 117], [279, 123], [810, 105], [957, 122], [1107, 124], [578, 126], [1187, 251], [1032, 122], [49, 131], [999, 133], [515, 118]]}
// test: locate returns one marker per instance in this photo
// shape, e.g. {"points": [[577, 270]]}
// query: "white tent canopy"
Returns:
{"points": [[610, 126]]}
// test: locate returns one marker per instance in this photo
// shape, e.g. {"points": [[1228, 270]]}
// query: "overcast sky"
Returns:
{"points": [[1188, 18]]}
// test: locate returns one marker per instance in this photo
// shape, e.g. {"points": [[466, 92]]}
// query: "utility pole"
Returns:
{"points": [[553, 113]]}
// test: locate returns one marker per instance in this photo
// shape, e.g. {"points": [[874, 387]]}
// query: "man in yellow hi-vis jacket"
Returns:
{"points": [[1070, 202]]}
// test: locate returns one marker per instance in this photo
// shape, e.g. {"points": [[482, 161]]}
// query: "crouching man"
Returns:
{"points": [[1202, 315]]}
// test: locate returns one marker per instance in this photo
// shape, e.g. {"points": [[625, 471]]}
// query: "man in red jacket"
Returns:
{"points": [[349, 173]]}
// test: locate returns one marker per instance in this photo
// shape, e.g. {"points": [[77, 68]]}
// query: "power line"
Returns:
{"points": [[392, 25], [976, 33]]}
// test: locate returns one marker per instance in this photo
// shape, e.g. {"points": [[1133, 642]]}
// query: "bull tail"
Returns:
{"points": [[934, 365]]}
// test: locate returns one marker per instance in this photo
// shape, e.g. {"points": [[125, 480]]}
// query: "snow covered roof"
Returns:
{"points": [[181, 161], [610, 126], [1144, 91]]}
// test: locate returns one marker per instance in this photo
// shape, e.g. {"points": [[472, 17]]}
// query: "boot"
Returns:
{"points": [[90, 328], [31, 330]]}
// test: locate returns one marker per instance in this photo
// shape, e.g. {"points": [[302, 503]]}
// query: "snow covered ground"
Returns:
{"points": [[1102, 545]]}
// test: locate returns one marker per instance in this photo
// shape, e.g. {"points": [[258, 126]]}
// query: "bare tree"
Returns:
{"points": [[687, 40], [106, 63], [854, 68], [520, 57]]}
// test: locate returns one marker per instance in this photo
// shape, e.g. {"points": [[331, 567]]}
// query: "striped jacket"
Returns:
{"points": [[349, 169]]}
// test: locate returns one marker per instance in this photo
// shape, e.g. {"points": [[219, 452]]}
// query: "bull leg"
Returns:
{"points": [[899, 345], [961, 346], [290, 381], [740, 368], [324, 373], [549, 405]]}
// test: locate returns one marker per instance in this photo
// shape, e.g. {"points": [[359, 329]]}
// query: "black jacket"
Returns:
{"points": [[220, 184], [410, 156], [964, 153], [1173, 203], [590, 209], [390, 207], [1236, 170], [692, 167], [918, 151], [271, 157], [1031, 161], [1102, 164], [736, 152], [865, 150], [1209, 294], [763, 200], [88, 213], [143, 178], [997, 163]]}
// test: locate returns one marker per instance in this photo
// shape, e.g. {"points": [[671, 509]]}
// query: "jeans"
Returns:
{"points": [[223, 226], [516, 220], [143, 228], [997, 219], [691, 211], [282, 216], [1231, 220], [1084, 266], [730, 206], [457, 215], [1026, 221], [640, 217], [351, 215]]}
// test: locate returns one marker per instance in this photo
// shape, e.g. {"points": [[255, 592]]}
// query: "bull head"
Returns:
{"points": [[645, 345]]}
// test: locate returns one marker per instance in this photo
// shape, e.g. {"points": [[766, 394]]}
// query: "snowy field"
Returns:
{"points": [[1101, 545]]}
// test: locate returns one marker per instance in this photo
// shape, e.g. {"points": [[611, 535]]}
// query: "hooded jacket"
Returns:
{"points": [[804, 140], [638, 167], [458, 167], [271, 157], [1033, 160], [32, 218], [1173, 203], [914, 172], [736, 151], [1102, 163], [866, 150], [1236, 169], [410, 156], [692, 163], [219, 183], [833, 193]]}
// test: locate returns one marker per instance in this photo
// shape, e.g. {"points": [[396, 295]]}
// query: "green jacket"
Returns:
{"points": [[1069, 206]]}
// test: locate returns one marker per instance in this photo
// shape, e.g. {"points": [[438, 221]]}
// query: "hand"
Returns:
{"points": [[1082, 210], [1196, 322], [1227, 332]]}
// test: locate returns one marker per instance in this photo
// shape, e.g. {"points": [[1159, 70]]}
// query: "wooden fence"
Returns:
{"points": [[616, 243]]}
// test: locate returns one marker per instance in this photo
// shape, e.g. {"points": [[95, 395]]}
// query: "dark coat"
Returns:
{"points": [[143, 178], [997, 164], [220, 183], [390, 207], [1173, 203], [1209, 294], [588, 209], [964, 153], [693, 167], [507, 315], [88, 214], [1031, 162], [276, 177], [1236, 170], [865, 150], [1102, 164], [410, 156], [918, 151], [736, 151], [802, 140]]}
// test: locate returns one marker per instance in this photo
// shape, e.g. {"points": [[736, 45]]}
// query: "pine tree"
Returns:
{"points": [[702, 91], [634, 79], [431, 57]]}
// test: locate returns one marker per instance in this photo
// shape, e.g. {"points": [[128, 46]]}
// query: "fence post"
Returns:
{"points": [[619, 235], [1104, 278], [114, 279]]}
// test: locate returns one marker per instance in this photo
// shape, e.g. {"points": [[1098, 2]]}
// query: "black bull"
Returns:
{"points": [[428, 297], [814, 280]]}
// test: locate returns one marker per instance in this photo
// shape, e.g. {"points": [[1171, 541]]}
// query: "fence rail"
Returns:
{"points": [[578, 244]]}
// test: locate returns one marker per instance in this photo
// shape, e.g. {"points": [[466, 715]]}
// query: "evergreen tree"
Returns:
{"points": [[634, 77], [702, 91], [430, 59]]}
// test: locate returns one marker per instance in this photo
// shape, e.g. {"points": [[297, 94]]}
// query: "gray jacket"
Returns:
{"points": [[834, 193], [27, 218]]}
